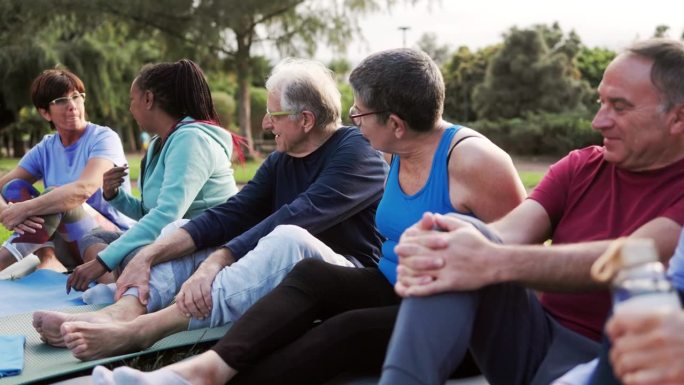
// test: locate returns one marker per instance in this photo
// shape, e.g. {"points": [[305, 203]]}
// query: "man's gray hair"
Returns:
{"points": [[667, 73], [307, 85]]}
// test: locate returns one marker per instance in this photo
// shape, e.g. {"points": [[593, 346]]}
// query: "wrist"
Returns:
{"points": [[221, 258], [110, 197], [499, 270]]}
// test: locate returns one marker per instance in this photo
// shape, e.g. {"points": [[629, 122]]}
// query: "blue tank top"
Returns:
{"points": [[398, 211]]}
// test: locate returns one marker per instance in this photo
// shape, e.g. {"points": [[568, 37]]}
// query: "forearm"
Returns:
{"points": [[170, 247], [549, 268], [61, 199]]}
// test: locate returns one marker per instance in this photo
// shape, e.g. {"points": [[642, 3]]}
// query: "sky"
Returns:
{"points": [[477, 23]]}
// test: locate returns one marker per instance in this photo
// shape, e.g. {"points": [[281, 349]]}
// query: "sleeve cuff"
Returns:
{"points": [[103, 264]]}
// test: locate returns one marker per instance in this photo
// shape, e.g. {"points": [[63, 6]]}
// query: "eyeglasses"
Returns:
{"points": [[64, 100], [272, 114], [354, 115]]}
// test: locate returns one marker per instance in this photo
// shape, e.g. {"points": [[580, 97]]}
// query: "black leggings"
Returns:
{"points": [[321, 321], [278, 340]]}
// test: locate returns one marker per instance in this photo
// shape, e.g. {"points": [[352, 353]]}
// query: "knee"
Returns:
{"points": [[308, 271], [19, 190], [171, 227], [95, 241], [289, 234]]}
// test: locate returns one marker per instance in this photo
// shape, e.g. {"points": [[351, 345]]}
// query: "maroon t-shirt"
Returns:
{"points": [[589, 199]]}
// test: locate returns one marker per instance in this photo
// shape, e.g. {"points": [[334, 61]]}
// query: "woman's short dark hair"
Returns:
{"points": [[52, 84], [179, 89], [404, 82]]}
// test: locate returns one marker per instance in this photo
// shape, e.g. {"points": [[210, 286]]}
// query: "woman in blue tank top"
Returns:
{"points": [[398, 101]]}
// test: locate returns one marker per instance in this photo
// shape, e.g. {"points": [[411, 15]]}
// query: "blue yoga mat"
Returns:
{"points": [[42, 289]]}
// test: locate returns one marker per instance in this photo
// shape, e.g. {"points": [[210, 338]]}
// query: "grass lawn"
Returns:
{"points": [[530, 178]]}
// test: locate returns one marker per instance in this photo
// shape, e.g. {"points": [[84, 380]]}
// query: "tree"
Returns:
{"points": [[231, 28], [105, 54], [661, 31], [462, 73], [591, 63], [428, 44], [525, 76]]}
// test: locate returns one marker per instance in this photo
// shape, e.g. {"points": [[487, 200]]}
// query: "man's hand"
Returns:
{"points": [[136, 274], [648, 348], [83, 275], [112, 179], [442, 253], [194, 297]]}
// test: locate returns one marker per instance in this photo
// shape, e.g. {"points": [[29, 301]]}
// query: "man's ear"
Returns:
{"points": [[677, 123], [45, 114], [308, 121], [397, 125]]}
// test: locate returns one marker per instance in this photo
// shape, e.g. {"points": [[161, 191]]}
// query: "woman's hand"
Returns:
{"points": [[84, 274], [14, 215], [112, 179]]}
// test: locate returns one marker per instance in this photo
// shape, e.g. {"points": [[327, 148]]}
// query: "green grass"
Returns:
{"points": [[530, 179]]}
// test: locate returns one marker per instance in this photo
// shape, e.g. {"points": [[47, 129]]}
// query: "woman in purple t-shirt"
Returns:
{"points": [[71, 164]]}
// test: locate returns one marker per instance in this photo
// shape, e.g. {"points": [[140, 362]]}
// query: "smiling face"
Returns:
{"points": [[290, 136], [631, 118], [68, 115]]}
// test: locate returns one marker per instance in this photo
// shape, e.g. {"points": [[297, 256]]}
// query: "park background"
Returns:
{"points": [[523, 73], [529, 87]]}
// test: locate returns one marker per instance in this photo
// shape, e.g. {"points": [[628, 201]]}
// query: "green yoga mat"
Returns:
{"points": [[42, 361]]}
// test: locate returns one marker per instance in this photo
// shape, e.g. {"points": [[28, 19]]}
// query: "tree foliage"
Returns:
{"points": [[528, 76], [462, 73]]}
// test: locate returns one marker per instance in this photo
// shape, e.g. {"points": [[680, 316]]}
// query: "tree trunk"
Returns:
{"points": [[244, 103], [17, 145]]}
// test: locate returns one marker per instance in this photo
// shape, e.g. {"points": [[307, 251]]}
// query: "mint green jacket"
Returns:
{"points": [[190, 174]]}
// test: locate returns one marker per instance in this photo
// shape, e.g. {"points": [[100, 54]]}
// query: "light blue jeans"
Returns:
{"points": [[238, 286]]}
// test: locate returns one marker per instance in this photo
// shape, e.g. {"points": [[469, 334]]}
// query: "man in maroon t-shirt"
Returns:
{"points": [[475, 294]]}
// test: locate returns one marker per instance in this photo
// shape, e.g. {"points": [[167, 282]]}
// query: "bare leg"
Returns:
{"points": [[49, 323], [89, 341], [204, 369], [6, 258], [90, 254], [48, 260]]}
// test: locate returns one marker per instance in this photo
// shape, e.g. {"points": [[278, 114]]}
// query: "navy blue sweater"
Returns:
{"points": [[333, 193]]}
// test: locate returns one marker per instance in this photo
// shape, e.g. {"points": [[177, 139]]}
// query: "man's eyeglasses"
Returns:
{"points": [[354, 115], [64, 100], [273, 114]]}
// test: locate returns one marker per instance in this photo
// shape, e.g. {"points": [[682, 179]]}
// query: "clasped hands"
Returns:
{"points": [[442, 253], [14, 218]]}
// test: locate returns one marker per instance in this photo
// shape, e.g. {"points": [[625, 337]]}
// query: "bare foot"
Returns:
{"points": [[89, 341], [48, 324]]}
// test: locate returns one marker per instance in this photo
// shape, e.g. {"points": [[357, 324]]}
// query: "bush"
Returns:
{"points": [[540, 134], [225, 107]]}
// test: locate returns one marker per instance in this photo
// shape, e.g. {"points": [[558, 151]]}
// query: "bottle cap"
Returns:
{"points": [[636, 251], [623, 252]]}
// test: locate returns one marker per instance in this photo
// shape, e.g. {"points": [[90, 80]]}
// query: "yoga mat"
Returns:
{"points": [[42, 289], [43, 361]]}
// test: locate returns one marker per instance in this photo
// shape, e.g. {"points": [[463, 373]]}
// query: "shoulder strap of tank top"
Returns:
{"points": [[456, 144]]}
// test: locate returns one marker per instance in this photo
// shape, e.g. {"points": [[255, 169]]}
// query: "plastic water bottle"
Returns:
{"points": [[640, 284]]}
